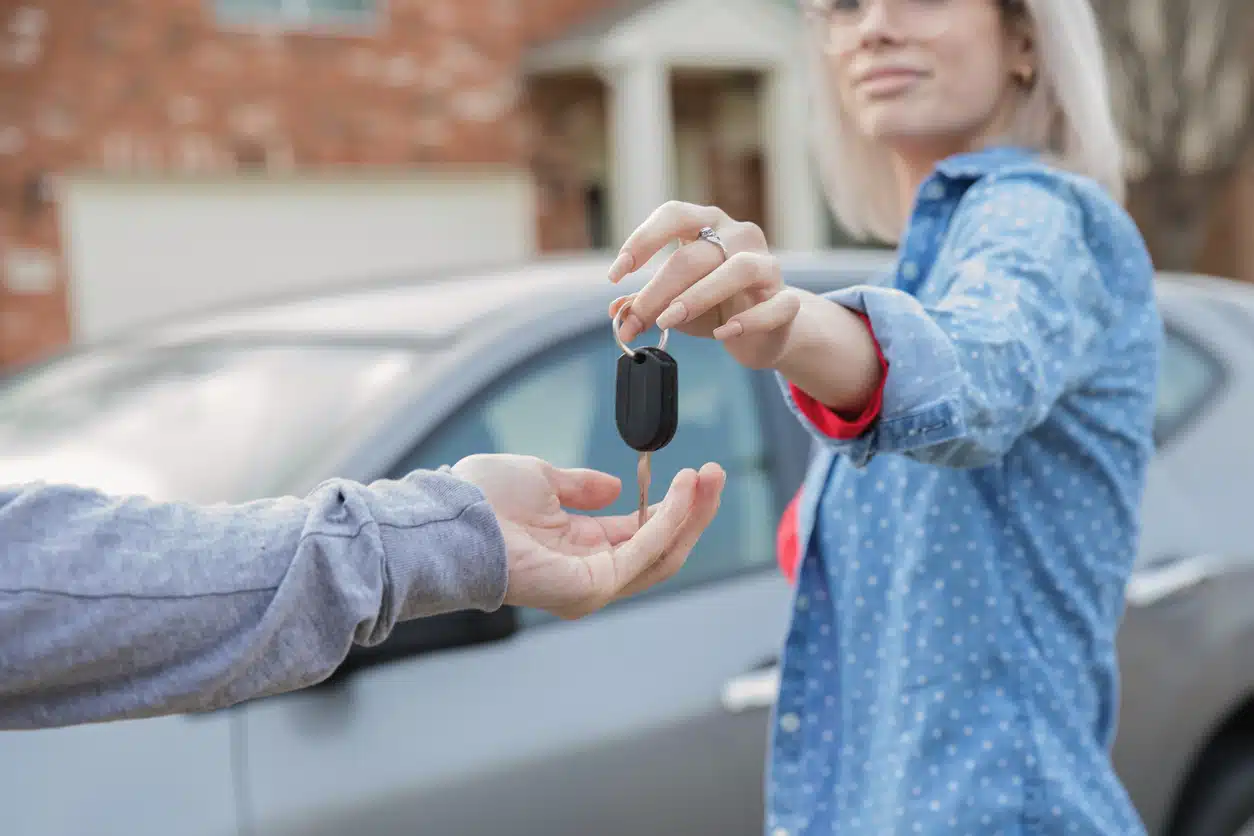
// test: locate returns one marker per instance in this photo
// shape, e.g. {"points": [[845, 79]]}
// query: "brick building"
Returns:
{"points": [[159, 156]]}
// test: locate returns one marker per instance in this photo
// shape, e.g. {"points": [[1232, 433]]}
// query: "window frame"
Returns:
{"points": [[1220, 379], [288, 20]]}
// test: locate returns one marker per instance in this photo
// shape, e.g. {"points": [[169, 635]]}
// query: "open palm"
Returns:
{"points": [[572, 564]]}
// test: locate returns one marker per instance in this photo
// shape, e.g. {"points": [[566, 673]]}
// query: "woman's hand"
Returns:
{"points": [[572, 565], [738, 298], [741, 300]]}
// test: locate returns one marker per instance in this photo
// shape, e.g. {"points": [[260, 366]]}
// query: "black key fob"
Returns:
{"points": [[647, 405]]}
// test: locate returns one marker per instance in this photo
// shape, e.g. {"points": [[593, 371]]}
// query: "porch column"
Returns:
{"points": [[795, 201], [641, 143]]}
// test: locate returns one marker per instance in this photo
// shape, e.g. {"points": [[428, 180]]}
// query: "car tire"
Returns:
{"points": [[1220, 799]]}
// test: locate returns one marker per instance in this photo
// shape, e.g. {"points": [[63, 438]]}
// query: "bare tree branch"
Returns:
{"points": [[1181, 81], [1181, 86]]}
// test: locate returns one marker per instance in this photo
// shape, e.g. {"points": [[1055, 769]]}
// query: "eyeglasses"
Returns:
{"points": [[845, 19]]}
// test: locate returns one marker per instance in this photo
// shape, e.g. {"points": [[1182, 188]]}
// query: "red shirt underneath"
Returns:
{"points": [[834, 426]]}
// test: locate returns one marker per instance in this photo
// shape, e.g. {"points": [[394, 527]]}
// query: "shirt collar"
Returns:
{"points": [[976, 164]]}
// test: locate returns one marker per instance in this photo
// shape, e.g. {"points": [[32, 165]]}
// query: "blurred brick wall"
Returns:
{"points": [[155, 86]]}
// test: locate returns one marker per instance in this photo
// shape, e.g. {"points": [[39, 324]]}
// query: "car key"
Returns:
{"points": [[646, 407]]}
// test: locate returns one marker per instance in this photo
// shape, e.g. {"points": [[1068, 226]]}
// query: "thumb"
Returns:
{"points": [[584, 489], [658, 532]]}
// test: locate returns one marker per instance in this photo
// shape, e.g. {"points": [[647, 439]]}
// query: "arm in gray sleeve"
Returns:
{"points": [[116, 608]]}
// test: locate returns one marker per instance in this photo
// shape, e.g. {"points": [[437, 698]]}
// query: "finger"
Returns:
{"points": [[741, 272], [618, 305], [774, 313], [640, 552], [704, 508], [622, 528], [669, 221], [619, 302], [585, 536], [583, 489], [687, 267]]}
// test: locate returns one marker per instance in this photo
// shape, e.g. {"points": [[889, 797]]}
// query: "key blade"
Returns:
{"points": [[643, 475]]}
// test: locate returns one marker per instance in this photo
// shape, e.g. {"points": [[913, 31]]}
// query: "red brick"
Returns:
{"points": [[158, 84]]}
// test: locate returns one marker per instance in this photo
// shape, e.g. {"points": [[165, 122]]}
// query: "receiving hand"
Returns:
{"points": [[738, 298], [572, 565]]}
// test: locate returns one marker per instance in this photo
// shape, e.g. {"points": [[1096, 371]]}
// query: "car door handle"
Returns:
{"points": [[751, 691], [1168, 578]]}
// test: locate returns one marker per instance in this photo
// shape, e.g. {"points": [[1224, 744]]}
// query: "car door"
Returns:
{"points": [[1173, 630], [136, 778], [1193, 378], [635, 720]]}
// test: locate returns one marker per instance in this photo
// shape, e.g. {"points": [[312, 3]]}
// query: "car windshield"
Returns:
{"points": [[203, 423]]}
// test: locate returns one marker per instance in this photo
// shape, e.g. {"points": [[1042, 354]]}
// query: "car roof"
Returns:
{"points": [[436, 310], [1209, 288]]}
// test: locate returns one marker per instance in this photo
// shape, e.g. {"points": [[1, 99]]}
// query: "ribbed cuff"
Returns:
{"points": [[440, 565]]}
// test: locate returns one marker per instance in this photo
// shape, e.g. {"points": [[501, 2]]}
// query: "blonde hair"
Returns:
{"points": [[1066, 115]]}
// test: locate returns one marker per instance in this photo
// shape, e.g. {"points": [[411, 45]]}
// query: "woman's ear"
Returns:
{"points": [[1022, 52]]}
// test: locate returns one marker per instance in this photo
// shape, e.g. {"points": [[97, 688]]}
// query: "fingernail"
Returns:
{"points": [[673, 315], [621, 266], [731, 329]]}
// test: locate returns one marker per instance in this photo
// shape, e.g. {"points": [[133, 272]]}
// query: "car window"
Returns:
{"points": [[212, 422], [1189, 376], [560, 407]]}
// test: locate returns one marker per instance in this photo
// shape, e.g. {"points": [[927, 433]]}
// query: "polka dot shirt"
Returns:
{"points": [[950, 666]]}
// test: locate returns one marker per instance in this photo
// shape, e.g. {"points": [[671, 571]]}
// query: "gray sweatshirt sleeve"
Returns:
{"points": [[121, 607]]}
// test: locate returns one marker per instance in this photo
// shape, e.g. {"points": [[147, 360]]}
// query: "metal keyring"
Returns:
{"points": [[618, 321]]}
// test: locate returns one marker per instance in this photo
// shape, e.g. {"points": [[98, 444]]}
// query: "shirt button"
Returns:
{"points": [[780, 831], [790, 722]]}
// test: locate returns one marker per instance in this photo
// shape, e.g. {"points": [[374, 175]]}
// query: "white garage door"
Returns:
{"points": [[140, 251]]}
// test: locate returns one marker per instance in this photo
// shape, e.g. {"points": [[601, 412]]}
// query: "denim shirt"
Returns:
{"points": [[950, 665]]}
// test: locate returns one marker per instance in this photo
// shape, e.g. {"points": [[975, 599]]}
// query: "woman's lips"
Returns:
{"points": [[888, 81]]}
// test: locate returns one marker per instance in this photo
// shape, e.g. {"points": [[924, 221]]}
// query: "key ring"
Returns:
{"points": [[618, 321]]}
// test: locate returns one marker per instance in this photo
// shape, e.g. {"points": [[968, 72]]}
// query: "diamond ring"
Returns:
{"points": [[707, 233]]}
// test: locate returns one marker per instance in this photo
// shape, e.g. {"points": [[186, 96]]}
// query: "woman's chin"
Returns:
{"points": [[888, 120], [903, 131]]}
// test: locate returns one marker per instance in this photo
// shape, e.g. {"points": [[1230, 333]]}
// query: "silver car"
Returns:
{"points": [[650, 717]]}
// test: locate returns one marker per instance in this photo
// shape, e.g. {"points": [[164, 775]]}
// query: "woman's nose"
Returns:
{"points": [[879, 22]]}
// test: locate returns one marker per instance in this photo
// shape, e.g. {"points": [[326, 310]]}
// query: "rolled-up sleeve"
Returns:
{"points": [[978, 364], [115, 608]]}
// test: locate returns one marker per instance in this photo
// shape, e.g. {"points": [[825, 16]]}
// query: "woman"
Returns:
{"points": [[965, 539]]}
